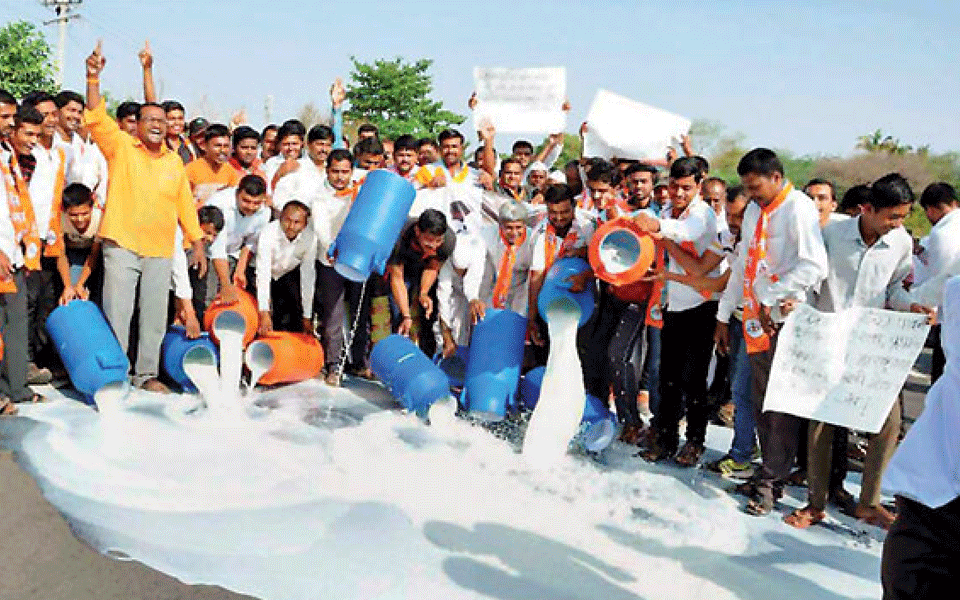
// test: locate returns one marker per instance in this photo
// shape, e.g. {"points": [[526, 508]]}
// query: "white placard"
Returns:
{"points": [[521, 100], [844, 368], [624, 128]]}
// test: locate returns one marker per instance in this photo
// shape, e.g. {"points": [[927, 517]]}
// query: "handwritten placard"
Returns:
{"points": [[845, 368], [624, 128], [521, 100]]}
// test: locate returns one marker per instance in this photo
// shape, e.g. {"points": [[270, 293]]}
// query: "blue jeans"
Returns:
{"points": [[650, 378], [744, 425]]}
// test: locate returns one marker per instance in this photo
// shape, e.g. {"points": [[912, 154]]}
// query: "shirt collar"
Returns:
{"points": [[855, 235], [137, 142]]}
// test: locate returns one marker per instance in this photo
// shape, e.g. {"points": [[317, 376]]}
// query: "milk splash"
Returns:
{"points": [[556, 418]]}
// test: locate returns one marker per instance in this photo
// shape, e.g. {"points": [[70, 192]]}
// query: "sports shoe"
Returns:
{"points": [[728, 467]]}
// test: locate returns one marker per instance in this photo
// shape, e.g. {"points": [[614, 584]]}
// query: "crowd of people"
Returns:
{"points": [[155, 218]]}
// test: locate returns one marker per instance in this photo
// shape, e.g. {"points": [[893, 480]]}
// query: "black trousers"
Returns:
{"points": [[286, 306], [921, 555], [626, 354], [686, 346], [939, 360], [777, 432], [593, 342], [14, 329], [43, 294]]}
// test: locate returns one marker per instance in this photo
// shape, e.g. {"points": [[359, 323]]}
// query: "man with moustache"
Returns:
{"points": [[148, 197]]}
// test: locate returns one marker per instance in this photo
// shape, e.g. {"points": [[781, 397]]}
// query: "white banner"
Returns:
{"points": [[845, 368], [521, 100], [624, 128]]}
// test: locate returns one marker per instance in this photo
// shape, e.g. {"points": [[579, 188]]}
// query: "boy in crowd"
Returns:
{"points": [[43, 168], [289, 146], [77, 265], [286, 251], [687, 314], [245, 214], [941, 255], [20, 247], [246, 146], [869, 258], [211, 172], [423, 247]]}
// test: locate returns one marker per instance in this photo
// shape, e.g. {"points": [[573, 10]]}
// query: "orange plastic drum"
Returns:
{"points": [[246, 307], [296, 357], [620, 253]]}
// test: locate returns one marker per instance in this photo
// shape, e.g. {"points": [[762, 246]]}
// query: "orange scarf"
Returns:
{"points": [[654, 310], [756, 338], [550, 245], [24, 221], [505, 271], [256, 168], [461, 176]]}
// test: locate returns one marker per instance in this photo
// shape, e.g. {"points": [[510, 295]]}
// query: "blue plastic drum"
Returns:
{"points": [[556, 289], [373, 225], [412, 378], [87, 346], [174, 347], [493, 371]]}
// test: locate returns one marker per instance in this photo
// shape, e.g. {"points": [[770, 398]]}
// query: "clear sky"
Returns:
{"points": [[809, 76]]}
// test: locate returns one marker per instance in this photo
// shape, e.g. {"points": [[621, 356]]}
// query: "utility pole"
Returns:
{"points": [[268, 108], [62, 8]]}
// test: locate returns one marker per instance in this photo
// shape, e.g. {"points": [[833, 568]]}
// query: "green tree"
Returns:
{"points": [[24, 59], [572, 149], [395, 96]]}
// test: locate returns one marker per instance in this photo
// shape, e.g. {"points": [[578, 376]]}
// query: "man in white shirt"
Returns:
{"points": [[941, 255], [507, 244], [922, 549], [869, 260], [686, 339], [290, 138], [286, 251], [43, 168], [783, 249], [331, 204], [244, 216], [458, 291], [87, 164], [13, 304]]}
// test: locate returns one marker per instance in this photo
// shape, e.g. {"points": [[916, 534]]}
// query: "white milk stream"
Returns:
{"points": [[556, 418]]}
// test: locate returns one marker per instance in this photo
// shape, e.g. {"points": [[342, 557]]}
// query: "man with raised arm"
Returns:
{"points": [[148, 197]]}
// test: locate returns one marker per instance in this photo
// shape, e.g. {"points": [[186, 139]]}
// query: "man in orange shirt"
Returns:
{"points": [[212, 171], [148, 196]]}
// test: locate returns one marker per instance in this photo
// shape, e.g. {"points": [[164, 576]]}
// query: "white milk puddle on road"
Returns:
{"points": [[314, 492]]}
